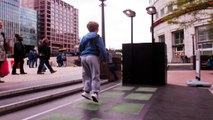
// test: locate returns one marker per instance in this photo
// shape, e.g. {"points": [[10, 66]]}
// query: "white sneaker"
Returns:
{"points": [[95, 97], [86, 95]]}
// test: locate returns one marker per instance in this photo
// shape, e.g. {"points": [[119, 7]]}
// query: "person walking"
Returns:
{"points": [[64, 59], [31, 59], [44, 56], [35, 54], [19, 55], [92, 49], [210, 63], [59, 59], [2, 48], [113, 67]]}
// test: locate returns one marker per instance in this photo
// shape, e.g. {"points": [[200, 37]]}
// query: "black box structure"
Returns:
{"points": [[144, 63]]}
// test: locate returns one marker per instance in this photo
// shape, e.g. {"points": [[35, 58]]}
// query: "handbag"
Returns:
{"points": [[12, 62], [4, 69]]}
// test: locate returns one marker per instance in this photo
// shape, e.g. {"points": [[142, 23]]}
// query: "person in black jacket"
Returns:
{"points": [[44, 56], [19, 55]]}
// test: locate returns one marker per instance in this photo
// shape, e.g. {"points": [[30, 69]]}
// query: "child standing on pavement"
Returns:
{"points": [[92, 51]]}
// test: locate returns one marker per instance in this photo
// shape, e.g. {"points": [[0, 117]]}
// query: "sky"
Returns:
{"points": [[117, 24]]}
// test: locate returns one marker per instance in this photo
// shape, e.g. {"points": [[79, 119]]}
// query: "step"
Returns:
{"points": [[21, 91], [21, 102]]}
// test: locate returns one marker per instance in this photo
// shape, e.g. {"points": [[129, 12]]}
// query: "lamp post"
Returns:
{"points": [[193, 44], [130, 13], [193, 51], [151, 10], [103, 19]]}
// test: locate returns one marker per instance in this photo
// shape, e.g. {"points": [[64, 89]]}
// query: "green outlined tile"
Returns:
{"points": [[146, 89], [112, 94], [124, 88], [139, 96], [127, 108], [89, 105], [61, 117]]}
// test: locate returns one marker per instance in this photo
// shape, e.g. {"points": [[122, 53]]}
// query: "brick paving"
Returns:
{"points": [[180, 77]]}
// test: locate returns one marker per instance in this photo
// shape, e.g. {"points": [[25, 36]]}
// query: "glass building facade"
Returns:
{"points": [[9, 14], [28, 26], [58, 22]]}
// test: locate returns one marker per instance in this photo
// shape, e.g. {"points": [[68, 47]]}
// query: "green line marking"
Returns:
{"points": [[112, 94], [89, 105], [139, 96], [61, 117], [146, 89], [123, 88], [127, 108]]}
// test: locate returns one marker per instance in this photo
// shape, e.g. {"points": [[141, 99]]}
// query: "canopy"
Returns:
{"points": [[62, 49]]}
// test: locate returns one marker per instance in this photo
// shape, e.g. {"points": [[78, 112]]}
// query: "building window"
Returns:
{"points": [[156, 16], [204, 34], [191, 1], [162, 12], [162, 38], [170, 8], [206, 46], [178, 37], [179, 49]]}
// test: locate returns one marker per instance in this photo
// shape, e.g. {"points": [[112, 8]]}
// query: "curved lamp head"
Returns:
{"points": [[151, 10], [129, 13]]}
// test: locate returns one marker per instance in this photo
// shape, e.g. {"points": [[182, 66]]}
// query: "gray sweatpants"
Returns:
{"points": [[91, 73]]}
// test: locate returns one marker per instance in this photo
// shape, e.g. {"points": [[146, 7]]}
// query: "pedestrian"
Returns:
{"points": [[19, 55], [64, 59], [31, 59], [35, 54], [59, 59], [2, 48], [113, 67], [210, 63], [44, 56], [92, 51]]}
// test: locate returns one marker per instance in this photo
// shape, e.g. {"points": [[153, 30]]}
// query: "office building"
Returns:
{"points": [[181, 41], [58, 22], [9, 14], [28, 27]]}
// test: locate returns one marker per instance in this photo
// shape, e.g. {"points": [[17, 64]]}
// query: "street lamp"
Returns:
{"points": [[103, 19], [193, 50], [151, 10], [130, 13], [193, 44]]}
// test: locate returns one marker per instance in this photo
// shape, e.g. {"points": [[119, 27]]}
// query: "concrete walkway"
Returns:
{"points": [[126, 102], [33, 79], [174, 77]]}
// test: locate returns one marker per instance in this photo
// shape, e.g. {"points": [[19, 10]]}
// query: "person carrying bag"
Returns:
{"points": [[4, 69]]}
